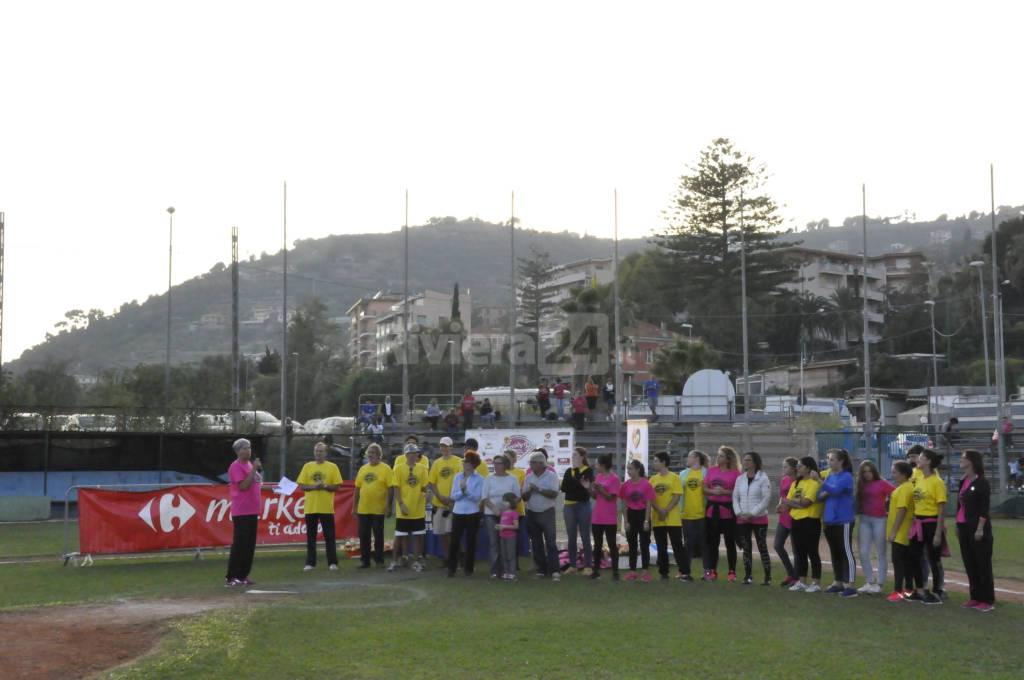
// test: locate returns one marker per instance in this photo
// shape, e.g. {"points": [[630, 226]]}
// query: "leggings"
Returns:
{"points": [[663, 535], [843, 563], [923, 546], [636, 534], [601, 532], [806, 534], [905, 576], [872, 533], [693, 538], [716, 528], [760, 534], [781, 534]]}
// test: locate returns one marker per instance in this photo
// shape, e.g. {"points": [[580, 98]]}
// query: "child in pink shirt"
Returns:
{"points": [[605, 516], [508, 527]]}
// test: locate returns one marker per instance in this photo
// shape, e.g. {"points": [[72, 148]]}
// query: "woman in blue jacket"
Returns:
{"points": [[837, 492]]}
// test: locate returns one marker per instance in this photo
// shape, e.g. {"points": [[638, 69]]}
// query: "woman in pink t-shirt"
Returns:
{"points": [[637, 493], [604, 521], [785, 525], [718, 485], [871, 493]]}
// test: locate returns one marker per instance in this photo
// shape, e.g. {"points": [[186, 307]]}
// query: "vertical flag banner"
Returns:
{"points": [[636, 441]]}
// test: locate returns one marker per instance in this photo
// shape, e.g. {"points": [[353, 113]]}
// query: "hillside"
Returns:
{"points": [[337, 269]]}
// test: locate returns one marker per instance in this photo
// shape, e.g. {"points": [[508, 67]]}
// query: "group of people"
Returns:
{"points": [[558, 401], [693, 512]]}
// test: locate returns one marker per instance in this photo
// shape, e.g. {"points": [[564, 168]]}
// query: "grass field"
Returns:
{"points": [[352, 624]]}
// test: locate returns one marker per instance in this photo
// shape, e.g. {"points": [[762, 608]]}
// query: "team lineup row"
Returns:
{"points": [[693, 512]]}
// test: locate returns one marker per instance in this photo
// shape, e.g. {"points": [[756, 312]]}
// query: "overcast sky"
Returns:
{"points": [[110, 112]]}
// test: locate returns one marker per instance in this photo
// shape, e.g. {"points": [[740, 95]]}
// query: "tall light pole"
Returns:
{"points": [[935, 361], [167, 356], [284, 331], [512, 410], [620, 398], [295, 392], [451, 365], [743, 300], [405, 316], [997, 332], [980, 265], [864, 330]]}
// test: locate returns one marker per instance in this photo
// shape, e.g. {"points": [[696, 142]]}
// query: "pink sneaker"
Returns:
{"points": [[732, 577], [630, 576], [970, 604], [646, 577], [895, 597], [984, 607]]}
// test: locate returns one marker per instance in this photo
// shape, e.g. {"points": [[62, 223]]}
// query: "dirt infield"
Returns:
{"points": [[78, 641]]}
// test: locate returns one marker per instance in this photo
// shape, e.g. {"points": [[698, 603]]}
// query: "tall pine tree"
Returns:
{"points": [[703, 238]]}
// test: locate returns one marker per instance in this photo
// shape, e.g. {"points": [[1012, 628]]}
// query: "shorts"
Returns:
{"points": [[415, 527], [441, 525]]}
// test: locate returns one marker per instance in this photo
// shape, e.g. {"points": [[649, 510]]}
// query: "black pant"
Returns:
{"points": [[759, 533], [662, 536], [636, 534], [325, 522], [433, 422], [838, 537], [716, 527], [781, 534], [544, 405], [806, 535], [468, 525], [905, 575], [467, 420], [977, 556], [578, 420], [243, 547], [541, 527], [371, 525], [924, 546], [600, 532]]}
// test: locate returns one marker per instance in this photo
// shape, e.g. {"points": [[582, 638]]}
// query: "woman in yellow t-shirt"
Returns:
{"points": [[805, 512], [897, 531], [929, 527]]}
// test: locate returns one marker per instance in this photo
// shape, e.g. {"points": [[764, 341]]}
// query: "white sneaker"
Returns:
{"points": [[333, 567], [876, 589], [797, 587], [308, 567], [866, 588], [813, 588]]}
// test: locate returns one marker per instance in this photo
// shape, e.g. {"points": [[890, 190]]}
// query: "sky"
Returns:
{"points": [[112, 111]]}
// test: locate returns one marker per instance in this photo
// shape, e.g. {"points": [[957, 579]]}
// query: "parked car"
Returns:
{"points": [[262, 422], [24, 422], [213, 422], [91, 422], [336, 425], [311, 426]]}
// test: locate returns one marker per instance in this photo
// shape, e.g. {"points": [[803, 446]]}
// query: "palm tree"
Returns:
{"points": [[675, 363], [847, 315]]}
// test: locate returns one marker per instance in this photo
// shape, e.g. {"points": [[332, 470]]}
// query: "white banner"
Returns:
{"points": [[636, 442], [558, 443]]}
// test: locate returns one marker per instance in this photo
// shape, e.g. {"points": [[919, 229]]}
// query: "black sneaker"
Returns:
{"points": [[767, 581], [595, 574], [748, 580], [932, 598], [364, 566], [915, 597], [685, 578], [615, 576]]}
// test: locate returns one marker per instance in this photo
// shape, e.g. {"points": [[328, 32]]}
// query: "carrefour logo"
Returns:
{"points": [[167, 511]]}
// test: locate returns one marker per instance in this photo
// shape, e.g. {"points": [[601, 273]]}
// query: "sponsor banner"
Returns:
{"points": [[192, 516], [636, 442], [558, 442]]}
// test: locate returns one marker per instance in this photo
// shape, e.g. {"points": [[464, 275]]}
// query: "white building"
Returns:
{"points": [[427, 310], [824, 272]]}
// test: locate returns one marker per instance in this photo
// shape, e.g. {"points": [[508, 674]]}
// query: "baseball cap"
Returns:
{"points": [[411, 448], [445, 441]]}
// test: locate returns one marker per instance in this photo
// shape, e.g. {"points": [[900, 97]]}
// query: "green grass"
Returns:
{"points": [[353, 624], [29, 539], [481, 628]]}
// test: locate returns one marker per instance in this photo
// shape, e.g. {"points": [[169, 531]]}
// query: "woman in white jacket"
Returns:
{"points": [[750, 499]]}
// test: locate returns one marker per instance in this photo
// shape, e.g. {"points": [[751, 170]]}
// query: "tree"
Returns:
{"points": [[675, 363], [51, 385], [535, 273], [847, 314], [705, 239], [269, 363]]}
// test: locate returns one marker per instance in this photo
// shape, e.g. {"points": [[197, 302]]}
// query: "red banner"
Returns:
{"points": [[192, 516]]}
